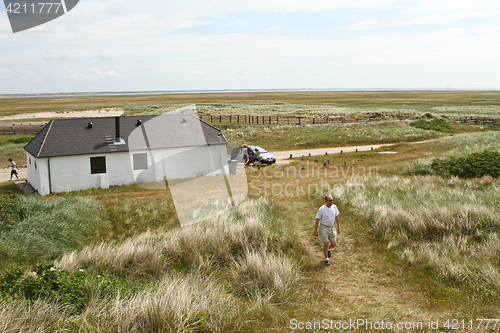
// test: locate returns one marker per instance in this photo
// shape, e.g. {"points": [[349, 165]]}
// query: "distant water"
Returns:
{"points": [[174, 92]]}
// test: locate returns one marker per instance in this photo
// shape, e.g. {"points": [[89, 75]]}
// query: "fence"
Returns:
{"points": [[276, 120], [494, 122], [20, 129]]}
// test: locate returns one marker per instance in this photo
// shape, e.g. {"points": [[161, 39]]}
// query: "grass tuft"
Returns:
{"points": [[449, 226]]}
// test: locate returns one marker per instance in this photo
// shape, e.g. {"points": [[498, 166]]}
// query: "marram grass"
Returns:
{"points": [[449, 226], [214, 276]]}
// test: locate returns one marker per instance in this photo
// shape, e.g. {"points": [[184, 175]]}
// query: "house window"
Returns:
{"points": [[140, 161], [98, 165]]}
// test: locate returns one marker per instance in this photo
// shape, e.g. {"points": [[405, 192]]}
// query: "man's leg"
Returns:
{"points": [[325, 250], [333, 243]]}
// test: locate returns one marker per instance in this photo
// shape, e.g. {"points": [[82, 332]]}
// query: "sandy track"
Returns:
{"points": [[111, 112]]}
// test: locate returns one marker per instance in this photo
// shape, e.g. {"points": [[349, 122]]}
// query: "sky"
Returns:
{"points": [[164, 45]]}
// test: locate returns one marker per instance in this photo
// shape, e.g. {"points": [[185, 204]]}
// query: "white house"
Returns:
{"points": [[76, 154]]}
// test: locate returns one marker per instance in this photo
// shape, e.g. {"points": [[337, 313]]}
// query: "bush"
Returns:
{"points": [[20, 139], [436, 124], [475, 165], [57, 286]]}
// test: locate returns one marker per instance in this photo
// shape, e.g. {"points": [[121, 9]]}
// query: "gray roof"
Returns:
{"points": [[64, 137]]}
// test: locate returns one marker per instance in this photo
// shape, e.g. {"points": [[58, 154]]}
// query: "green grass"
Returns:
{"points": [[255, 267], [219, 275], [48, 229], [468, 103], [296, 137], [450, 227], [11, 146]]}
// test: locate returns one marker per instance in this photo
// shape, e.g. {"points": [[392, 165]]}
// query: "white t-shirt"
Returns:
{"points": [[327, 215]]}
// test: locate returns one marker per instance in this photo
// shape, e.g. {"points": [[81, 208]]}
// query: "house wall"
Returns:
{"points": [[72, 173], [38, 173]]}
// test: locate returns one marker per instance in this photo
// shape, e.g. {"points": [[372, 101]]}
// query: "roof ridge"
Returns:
{"points": [[45, 138]]}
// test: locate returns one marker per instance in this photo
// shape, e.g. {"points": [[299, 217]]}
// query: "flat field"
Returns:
{"points": [[459, 102], [414, 251]]}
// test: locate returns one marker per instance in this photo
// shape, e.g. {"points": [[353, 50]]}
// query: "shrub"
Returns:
{"points": [[475, 165], [11, 212], [436, 124], [20, 139], [57, 286]]}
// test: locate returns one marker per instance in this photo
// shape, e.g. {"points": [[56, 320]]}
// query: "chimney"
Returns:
{"points": [[118, 139], [117, 129]]}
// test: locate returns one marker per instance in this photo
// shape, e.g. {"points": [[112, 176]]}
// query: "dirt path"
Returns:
{"points": [[359, 284], [283, 155]]}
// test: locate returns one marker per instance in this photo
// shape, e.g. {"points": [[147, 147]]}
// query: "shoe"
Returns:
{"points": [[327, 262], [329, 254]]}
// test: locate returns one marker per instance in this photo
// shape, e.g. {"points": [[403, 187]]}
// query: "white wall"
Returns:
{"points": [[38, 173], [72, 173]]}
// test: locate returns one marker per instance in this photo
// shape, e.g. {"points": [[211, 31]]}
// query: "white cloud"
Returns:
{"points": [[275, 27], [363, 25], [57, 56], [98, 72], [136, 46], [6, 74], [103, 57], [446, 18]]}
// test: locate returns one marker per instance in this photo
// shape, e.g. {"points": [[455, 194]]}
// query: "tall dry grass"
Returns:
{"points": [[176, 303], [251, 225], [221, 275], [448, 226]]}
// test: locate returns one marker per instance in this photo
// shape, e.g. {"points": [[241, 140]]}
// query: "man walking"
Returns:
{"points": [[14, 169], [327, 216]]}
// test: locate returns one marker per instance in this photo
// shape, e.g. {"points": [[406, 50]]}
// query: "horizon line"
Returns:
{"points": [[215, 91]]}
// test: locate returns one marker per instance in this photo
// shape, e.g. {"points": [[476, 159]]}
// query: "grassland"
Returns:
{"points": [[412, 248], [440, 102], [11, 146]]}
